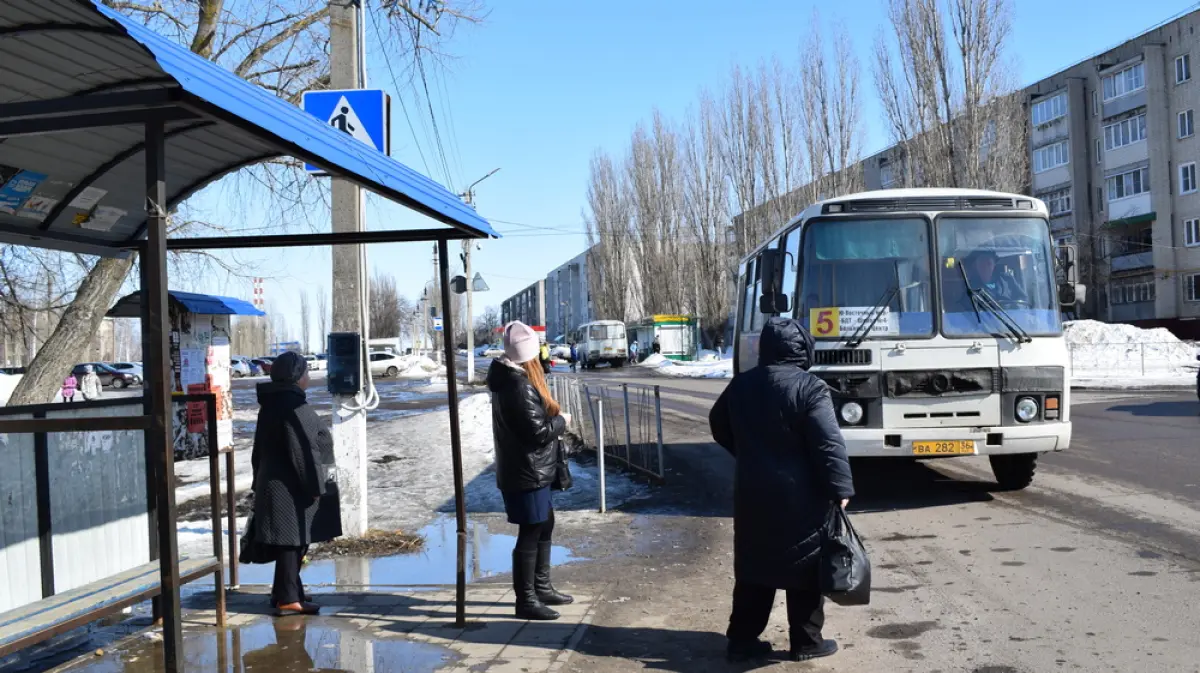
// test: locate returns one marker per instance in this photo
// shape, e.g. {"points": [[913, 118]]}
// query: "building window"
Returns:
{"points": [[1045, 111], [1124, 185], [1132, 291], [1191, 232], [1183, 69], [1187, 124], [1125, 132], [1191, 287], [887, 177], [1050, 156], [1125, 82], [1187, 178], [1095, 103], [1099, 154], [1058, 202]]}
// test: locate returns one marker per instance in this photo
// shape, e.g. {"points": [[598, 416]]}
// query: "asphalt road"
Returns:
{"points": [[1096, 567]]}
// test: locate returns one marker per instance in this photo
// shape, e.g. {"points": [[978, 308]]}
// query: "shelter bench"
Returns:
{"points": [[57, 614]]}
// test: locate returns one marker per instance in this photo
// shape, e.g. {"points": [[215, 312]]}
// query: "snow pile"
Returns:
{"points": [[420, 368], [704, 369], [8, 383], [1118, 351]]}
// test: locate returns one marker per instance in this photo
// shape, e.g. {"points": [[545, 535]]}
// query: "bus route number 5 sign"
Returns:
{"points": [[825, 322]]}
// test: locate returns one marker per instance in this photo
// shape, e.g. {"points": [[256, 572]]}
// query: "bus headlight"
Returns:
{"points": [[852, 413], [1027, 409]]}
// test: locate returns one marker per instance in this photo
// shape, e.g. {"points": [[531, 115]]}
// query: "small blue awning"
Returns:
{"points": [[130, 306], [83, 189]]}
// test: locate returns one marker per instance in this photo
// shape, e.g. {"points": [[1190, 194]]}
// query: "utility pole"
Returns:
{"points": [[435, 311], [349, 429], [469, 198]]}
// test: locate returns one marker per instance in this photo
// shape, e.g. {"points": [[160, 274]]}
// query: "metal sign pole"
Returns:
{"points": [[600, 450], [460, 506]]}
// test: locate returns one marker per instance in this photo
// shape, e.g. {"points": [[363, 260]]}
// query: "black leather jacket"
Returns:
{"points": [[526, 436]]}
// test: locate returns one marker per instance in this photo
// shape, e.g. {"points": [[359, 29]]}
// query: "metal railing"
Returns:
{"points": [[626, 419], [1121, 359]]}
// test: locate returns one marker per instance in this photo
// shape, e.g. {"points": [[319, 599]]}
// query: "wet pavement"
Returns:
{"points": [[396, 632]]}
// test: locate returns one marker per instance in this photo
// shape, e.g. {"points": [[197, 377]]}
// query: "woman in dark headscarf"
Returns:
{"points": [[295, 491]]}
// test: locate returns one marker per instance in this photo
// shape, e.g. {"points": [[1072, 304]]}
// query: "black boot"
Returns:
{"points": [[546, 592], [528, 605], [826, 648]]}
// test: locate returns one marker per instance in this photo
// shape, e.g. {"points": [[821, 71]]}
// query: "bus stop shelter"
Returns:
{"points": [[105, 127]]}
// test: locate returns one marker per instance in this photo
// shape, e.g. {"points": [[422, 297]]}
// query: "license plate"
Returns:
{"points": [[945, 447], [607, 350]]}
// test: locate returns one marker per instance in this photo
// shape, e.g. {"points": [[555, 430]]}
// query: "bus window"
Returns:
{"points": [[749, 297]]}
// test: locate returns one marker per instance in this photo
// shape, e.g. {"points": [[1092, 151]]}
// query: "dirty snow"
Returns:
{"points": [[705, 369], [1125, 356]]}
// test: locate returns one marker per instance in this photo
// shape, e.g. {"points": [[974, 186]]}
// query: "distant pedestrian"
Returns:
{"points": [[656, 347], [90, 386], [720, 346], [633, 349], [296, 500], [574, 358], [526, 426], [70, 385], [788, 476], [544, 356]]}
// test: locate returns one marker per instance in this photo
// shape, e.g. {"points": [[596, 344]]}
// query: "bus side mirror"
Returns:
{"points": [[770, 268], [1070, 292]]}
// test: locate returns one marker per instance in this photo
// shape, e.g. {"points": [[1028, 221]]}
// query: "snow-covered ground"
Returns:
{"points": [[410, 477], [1124, 356], [710, 368], [8, 383]]}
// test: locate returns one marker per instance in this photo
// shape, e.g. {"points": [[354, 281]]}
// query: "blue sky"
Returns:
{"points": [[539, 86]]}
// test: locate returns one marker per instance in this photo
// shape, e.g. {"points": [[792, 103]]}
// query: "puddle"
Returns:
{"points": [[488, 554], [285, 645]]}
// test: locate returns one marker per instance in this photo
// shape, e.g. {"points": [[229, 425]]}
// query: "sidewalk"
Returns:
{"points": [[411, 631]]}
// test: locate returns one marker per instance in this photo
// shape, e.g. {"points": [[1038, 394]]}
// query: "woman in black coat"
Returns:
{"points": [[778, 421], [526, 425], [295, 489]]}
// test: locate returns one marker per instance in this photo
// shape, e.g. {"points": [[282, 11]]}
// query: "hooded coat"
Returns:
{"points": [[296, 500], [778, 422], [526, 435]]}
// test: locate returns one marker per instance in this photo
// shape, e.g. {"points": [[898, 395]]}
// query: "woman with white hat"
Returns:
{"points": [[526, 425]]}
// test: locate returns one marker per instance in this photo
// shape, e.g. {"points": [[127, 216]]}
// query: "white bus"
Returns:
{"points": [[601, 341], [936, 314]]}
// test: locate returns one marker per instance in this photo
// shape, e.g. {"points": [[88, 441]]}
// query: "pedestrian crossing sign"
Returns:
{"points": [[362, 114]]}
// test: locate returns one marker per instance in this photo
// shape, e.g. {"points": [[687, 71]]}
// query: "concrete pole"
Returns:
{"points": [[349, 426], [436, 315]]}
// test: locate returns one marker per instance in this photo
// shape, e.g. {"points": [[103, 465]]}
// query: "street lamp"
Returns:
{"points": [[469, 197]]}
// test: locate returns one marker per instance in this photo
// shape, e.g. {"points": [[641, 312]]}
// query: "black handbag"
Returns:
{"points": [[844, 569], [250, 550], [562, 469]]}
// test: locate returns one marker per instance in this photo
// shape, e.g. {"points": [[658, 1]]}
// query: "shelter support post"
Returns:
{"points": [[158, 389], [151, 460], [214, 494], [460, 507]]}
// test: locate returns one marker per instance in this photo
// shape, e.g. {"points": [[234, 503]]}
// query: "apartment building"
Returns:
{"points": [[568, 296], [1114, 153], [528, 306]]}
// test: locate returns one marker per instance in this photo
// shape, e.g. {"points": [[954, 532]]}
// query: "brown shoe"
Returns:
{"points": [[297, 609]]}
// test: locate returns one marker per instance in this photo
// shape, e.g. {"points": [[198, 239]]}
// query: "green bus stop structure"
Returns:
{"points": [[105, 127]]}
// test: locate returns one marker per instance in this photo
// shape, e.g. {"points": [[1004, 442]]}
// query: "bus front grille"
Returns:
{"points": [[843, 356]]}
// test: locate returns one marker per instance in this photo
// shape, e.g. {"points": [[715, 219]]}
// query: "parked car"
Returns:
{"points": [[263, 364], [134, 368], [108, 376], [386, 364], [489, 351], [240, 367], [315, 363]]}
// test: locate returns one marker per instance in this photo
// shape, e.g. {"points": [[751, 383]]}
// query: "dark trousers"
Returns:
{"points": [[752, 609], [288, 588], [530, 534]]}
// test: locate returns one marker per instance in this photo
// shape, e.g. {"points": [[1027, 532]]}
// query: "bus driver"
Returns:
{"points": [[980, 266]]}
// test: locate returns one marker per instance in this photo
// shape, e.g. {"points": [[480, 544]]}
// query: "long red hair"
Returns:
{"points": [[537, 377]]}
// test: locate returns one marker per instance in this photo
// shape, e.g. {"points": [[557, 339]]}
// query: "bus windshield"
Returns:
{"points": [[867, 277], [1006, 259]]}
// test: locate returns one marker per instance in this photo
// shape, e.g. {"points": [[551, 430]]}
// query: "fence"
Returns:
{"points": [[1123, 359], [627, 418]]}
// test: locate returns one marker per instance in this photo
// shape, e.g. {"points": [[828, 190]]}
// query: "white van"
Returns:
{"points": [[601, 341]]}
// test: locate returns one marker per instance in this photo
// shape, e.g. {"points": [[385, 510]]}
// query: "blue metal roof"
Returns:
{"points": [[52, 49], [129, 306]]}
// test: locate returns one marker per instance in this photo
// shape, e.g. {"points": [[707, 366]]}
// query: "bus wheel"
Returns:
{"points": [[1014, 471]]}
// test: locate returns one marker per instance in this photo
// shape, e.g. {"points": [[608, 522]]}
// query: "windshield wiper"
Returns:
{"points": [[979, 297], [861, 333]]}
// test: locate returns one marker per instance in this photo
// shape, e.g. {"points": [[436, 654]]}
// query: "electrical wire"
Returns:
{"points": [[387, 60]]}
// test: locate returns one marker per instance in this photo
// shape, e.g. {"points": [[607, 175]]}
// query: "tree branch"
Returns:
{"points": [[260, 52]]}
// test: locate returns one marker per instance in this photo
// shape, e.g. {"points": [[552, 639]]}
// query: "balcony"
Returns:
{"points": [[1133, 260]]}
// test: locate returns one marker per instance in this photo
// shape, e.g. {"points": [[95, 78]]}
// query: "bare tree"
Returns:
{"points": [[655, 186], [322, 316], [948, 94], [610, 274], [384, 307], [486, 325], [706, 212], [831, 115], [305, 320], [282, 47]]}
